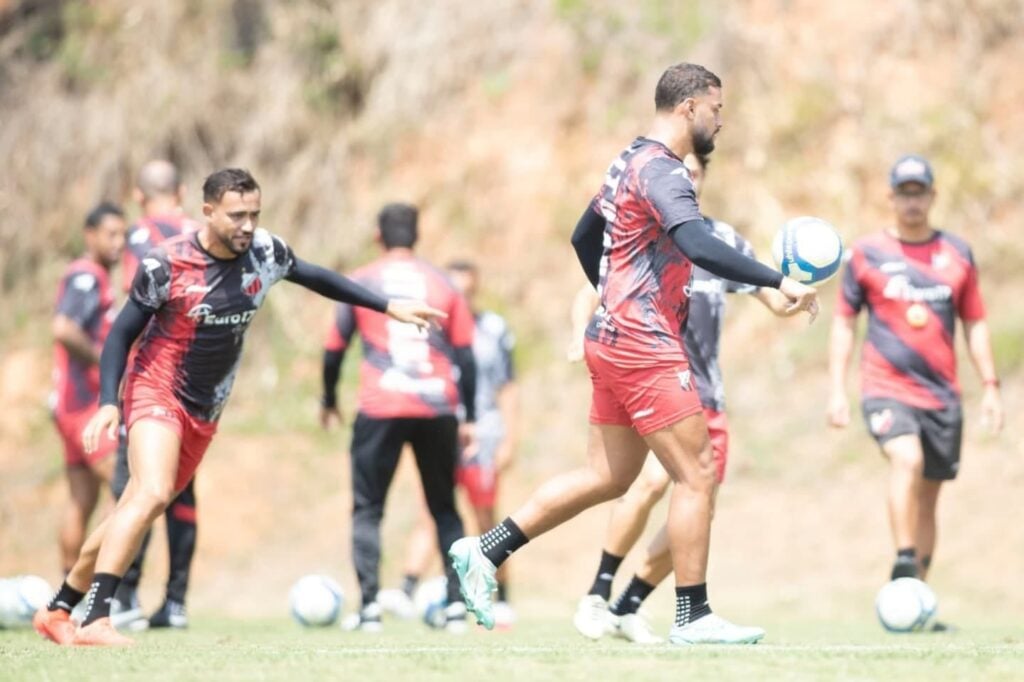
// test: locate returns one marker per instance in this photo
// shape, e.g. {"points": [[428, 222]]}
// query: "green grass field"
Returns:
{"points": [[217, 649]]}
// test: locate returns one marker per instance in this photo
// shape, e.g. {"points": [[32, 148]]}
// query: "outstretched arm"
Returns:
{"points": [[340, 288], [334, 286], [720, 259]]}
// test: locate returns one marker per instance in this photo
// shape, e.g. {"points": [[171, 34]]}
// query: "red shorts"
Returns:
{"points": [[718, 431], [647, 396], [480, 484], [70, 426], [145, 402]]}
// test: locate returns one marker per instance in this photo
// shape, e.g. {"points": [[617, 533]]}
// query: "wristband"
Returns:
{"points": [[990, 382]]}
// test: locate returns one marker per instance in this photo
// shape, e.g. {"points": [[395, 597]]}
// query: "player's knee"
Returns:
{"points": [[154, 498], [908, 462], [614, 488]]}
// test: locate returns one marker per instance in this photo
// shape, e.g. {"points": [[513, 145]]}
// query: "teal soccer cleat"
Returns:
{"points": [[476, 578]]}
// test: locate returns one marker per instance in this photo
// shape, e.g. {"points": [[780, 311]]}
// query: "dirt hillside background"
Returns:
{"points": [[498, 119]]}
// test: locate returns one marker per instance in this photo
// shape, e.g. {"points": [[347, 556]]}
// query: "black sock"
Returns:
{"points": [[630, 600], [691, 604], [66, 599], [100, 593], [409, 583], [602, 586], [499, 542], [926, 562], [906, 564], [502, 592]]}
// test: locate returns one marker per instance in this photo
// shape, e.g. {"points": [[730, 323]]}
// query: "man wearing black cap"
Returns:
{"points": [[915, 281]]}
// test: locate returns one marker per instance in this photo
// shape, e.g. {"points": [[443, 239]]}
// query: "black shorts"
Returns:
{"points": [[940, 432]]}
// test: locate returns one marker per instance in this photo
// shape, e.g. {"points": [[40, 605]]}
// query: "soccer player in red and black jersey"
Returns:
{"points": [[915, 282], [638, 243], [84, 313], [411, 382], [192, 299], [159, 193]]}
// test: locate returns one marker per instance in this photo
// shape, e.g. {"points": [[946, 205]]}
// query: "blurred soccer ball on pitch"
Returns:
{"points": [[808, 250], [316, 600], [20, 598], [430, 592], [905, 605]]}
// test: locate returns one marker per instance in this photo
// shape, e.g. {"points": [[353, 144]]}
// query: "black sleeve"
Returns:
{"points": [[467, 380], [588, 240], [332, 370], [335, 286], [719, 258], [130, 322]]}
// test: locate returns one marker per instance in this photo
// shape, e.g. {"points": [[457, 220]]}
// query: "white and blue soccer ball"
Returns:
{"points": [[905, 605], [316, 600], [20, 598], [808, 250]]}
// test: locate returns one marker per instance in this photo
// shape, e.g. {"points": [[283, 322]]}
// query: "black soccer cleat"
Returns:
{"points": [[905, 567], [170, 615]]}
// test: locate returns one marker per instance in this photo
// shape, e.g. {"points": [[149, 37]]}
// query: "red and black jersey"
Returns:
{"points": [[86, 298], [644, 275], [913, 292], [405, 371], [202, 308], [147, 232]]}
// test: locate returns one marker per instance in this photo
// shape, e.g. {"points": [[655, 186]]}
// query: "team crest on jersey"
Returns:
{"points": [[940, 260], [881, 422], [685, 380], [139, 236], [251, 284]]}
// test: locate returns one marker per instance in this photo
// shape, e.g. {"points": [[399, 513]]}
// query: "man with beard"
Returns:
{"points": [[194, 296], [638, 242]]}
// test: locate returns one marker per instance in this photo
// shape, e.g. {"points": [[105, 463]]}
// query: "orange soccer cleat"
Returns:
{"points": [[100, 633], [55, 626]]}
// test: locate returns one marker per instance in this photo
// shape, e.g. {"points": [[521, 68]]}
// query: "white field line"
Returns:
{"points": [[485, 649]]}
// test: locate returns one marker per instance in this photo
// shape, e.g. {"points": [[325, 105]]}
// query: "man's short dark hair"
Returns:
{"points": [[463, 265], [228, 180], [94, 217], [682, 81], [398, 225]]}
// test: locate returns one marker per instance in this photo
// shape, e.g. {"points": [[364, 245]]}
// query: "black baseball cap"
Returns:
{"points": [[911, 168]]}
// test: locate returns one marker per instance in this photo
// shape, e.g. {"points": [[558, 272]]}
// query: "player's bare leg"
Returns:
{"points": [[628, 518], [906, 477], [153, 453], [615, 455], [927, 529], [630, 514], [684, 449], [84, 492]]}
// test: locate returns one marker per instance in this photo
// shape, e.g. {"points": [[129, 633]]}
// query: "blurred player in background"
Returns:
{"points": [[629, 515], [194, 296], [915, 281], [84, 313], [159, 193], [411, 383], [497, 417], [638, 242]]}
